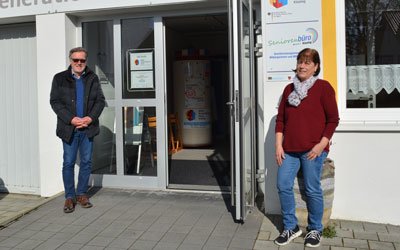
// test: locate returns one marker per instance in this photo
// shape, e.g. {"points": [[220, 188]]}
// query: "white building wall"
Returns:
{"points": [[272, 93], [56, 34], [18, 149], [366, 176]]}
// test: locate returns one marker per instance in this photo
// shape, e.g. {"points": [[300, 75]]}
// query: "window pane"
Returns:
{"points": [[373, 54], [140, 148], [104, 144], [137, 34], [98, 40]]}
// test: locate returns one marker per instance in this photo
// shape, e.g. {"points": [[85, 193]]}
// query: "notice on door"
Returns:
{"points": [[141, 69], [142, 79], [141, 60]]}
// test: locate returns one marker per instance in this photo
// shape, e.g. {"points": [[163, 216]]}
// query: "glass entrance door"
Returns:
{"points": [[139, 116], [242, 88], [122, 52]]}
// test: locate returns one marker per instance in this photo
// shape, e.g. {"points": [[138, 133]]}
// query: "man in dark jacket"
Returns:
{"points": [[77, 99]]}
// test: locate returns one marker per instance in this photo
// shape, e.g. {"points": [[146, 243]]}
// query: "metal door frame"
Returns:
{"points": [[119, 180], [242, 200]]}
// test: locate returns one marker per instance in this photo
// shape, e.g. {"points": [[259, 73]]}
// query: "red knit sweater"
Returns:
{"points": [[316, 116]]}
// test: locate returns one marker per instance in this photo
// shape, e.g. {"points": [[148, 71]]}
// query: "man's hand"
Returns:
{"points": [[87, 120], [81, 122]]}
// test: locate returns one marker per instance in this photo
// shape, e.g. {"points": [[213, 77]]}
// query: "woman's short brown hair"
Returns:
{"points": [[312, 55]]}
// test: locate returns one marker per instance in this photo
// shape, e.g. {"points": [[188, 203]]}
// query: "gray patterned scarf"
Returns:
{"points": [[300, 90]]}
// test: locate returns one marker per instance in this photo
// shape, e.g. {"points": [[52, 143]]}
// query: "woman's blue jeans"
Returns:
{"points": [[82, 144], [312, 170]]}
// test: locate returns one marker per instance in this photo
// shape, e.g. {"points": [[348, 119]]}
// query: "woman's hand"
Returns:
{"points": [[315, 152], [279, 154], [317, 149]]}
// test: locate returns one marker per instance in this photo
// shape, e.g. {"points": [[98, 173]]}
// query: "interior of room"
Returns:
{"points": [[197, 93]]}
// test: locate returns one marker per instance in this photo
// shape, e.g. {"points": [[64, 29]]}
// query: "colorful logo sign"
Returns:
{"points": [[278, 3], [313, 34], [310, 36], [190, 115]]}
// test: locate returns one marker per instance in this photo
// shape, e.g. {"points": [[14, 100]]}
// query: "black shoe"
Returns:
{"points": [[312, 239], [287, 236]]}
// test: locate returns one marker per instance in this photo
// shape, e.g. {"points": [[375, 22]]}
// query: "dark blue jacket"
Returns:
{"points": [[63, 98]]}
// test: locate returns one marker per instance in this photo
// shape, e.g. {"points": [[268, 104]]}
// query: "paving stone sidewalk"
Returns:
{"points": [[13, 206], [134, 219], [350, 235], [131, 219]]}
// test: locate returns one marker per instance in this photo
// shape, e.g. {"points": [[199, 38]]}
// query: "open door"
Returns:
{"points": [[242, 103]]}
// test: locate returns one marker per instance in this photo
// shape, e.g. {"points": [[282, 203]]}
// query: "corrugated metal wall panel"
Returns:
{"points": [[19, 162]]}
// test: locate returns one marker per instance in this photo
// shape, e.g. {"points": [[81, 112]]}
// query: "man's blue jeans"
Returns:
{"points": [[82, 144], [312, 170]]}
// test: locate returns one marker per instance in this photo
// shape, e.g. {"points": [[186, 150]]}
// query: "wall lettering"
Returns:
{"points": [[6, 4]]}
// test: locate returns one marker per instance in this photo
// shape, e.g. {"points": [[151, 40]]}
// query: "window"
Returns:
{"points": [[137, 35], [140, 141], [98, 40], [372, 53], [104, 156]]}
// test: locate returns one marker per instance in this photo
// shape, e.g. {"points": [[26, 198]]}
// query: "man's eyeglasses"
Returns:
{"points": [[76, 60]]}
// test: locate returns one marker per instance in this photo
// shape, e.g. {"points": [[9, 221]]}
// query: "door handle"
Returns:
{"points": [[234, 105]]}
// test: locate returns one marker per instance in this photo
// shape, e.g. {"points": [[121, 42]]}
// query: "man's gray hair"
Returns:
{"points": [[78, 49]]}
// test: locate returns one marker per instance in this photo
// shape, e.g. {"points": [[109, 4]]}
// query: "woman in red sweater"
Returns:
{"points": [[307, 118]]}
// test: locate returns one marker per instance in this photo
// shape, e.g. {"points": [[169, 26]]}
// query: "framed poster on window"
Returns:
{"points": [[140, 70]]}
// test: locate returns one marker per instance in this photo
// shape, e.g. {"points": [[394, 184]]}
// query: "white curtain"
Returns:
{"points": [[373, 78]]}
